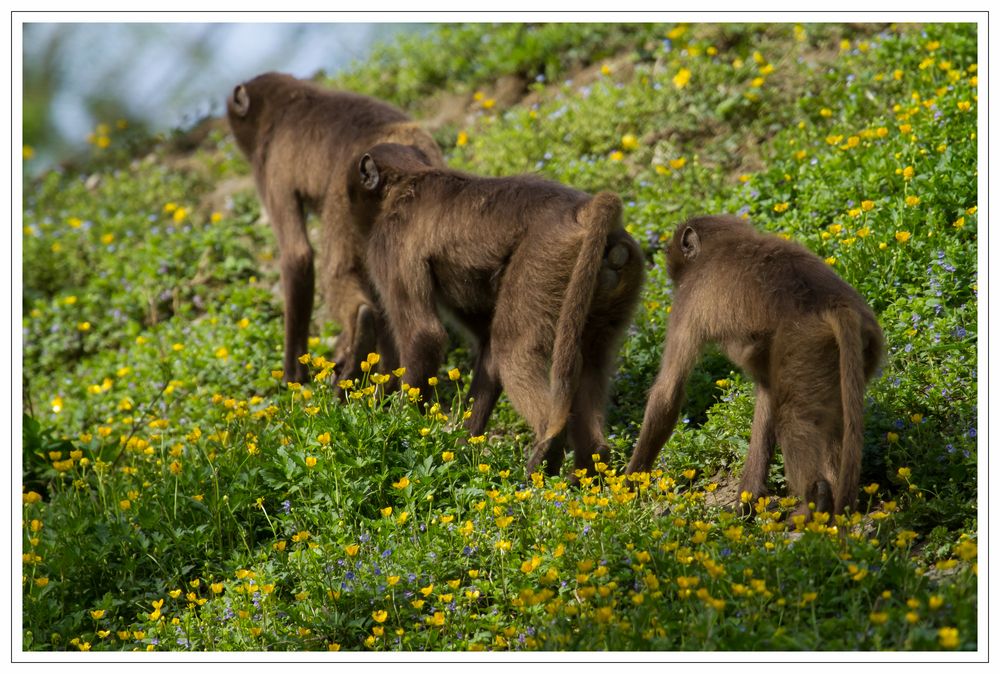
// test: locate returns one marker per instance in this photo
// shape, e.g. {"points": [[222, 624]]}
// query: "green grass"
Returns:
{"points": [[177, 496]]}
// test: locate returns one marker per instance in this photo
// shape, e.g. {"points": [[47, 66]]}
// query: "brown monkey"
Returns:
{"points": [[807, 338], [542, 276], [301, 140]]}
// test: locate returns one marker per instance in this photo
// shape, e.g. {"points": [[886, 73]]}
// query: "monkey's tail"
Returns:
{"points": [[600, 216], [847, 330]]}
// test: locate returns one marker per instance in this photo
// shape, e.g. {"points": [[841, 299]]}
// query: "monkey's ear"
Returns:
{"points": [[690, 244], [369, 173], [241, 101]]}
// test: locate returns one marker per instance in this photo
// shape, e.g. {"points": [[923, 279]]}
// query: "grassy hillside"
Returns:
{"points": [[177, 496]]}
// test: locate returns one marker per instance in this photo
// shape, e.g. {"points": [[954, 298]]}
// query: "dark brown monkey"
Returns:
{"points": [[542, 276], [807, 338], [301, 140]]}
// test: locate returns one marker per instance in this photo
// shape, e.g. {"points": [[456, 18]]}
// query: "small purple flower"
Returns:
{"points": [[286, 506]]}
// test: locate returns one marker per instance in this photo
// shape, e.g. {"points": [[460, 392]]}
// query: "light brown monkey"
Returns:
{"points": [[806, 337], [542, 276], [301, 141]]}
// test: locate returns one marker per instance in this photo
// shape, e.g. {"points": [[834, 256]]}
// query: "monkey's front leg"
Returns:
{"points": [[762, 441], [484, 390], [665, 397], [420, 336], [298, 278]]}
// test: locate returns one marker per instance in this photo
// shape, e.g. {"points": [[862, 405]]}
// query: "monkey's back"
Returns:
{"points": [[308, 136], [475, 229], [755, 282]]}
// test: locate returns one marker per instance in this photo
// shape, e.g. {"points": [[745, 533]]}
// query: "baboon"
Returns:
{"points": [[807, 339], [542, 276], [301, 140]]}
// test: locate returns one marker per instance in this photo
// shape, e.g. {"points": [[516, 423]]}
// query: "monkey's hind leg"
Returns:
{"points": [[550, 450], [524, 376], [821, 494]]}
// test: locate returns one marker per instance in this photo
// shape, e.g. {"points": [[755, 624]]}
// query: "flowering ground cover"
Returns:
{"points": [[177, 496]]}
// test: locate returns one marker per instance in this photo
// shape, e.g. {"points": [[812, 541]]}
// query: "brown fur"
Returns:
{"points": [[807, 338], [542, 276], [301, 140]]}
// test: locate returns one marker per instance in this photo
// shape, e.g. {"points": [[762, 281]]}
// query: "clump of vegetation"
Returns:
{"points": [[177, 496]]}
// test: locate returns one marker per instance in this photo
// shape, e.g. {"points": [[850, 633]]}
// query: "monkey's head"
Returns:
{"points": [[379, 170], [686, 246], [682, 250], [252, 103]]}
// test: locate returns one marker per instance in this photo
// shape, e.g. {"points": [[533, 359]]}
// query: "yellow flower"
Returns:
{"points": [[678, 164], [867, 205], [912, 200], [310, 462], [967, 550], [948, 637], [352, 549], [222, 353], [180, 214], [781, 207], [447, 456], [677, 31], [454, 374], [216, 217], [323, 438], [629, 142], [878, 618], [682, 78], [462, 139], [403, 483], [97, 614], [617, 155], [84, 326], [380, 616], [902, 237]]}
